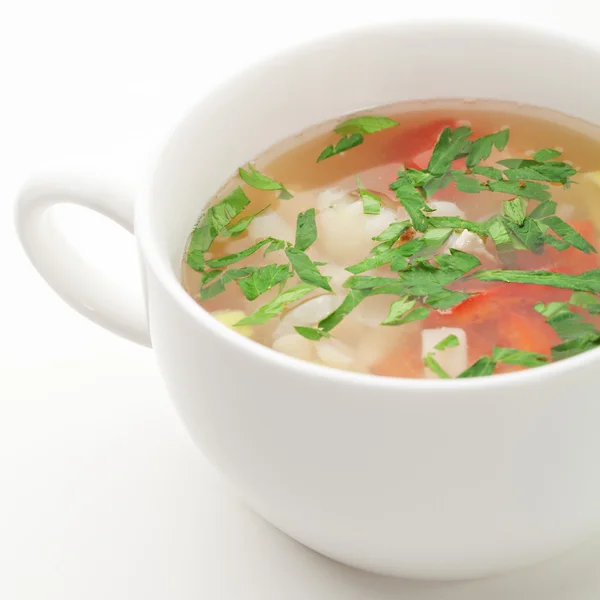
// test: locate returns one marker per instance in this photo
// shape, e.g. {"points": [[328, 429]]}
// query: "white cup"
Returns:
{"points": [[421, 478]]}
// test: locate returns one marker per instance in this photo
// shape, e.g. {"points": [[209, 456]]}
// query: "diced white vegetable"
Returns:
{"points": [[297, 346], [270, 224], [333, 197], [345, 232], [445, 209], [307, 314], [351, 330], [372, 311], [375, 224], [338, 276], [452, 360], [335, 354], [468, 242], [230, 317], [377, 342]]}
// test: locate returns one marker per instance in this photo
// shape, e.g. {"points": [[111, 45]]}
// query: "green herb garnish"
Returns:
{"points": [[412, 200], [393, 232], [273, 308], [538, 169], [306, 230], [402, 311], [444, 299], [371, 202], [310, 333], [365, 125], [543, 209], [354, 131], [568, 234], [259, 181], [347, 142], [210, 291], [229, 259], [306, 269], [514, 356], [586, 301], [567, 324], [216, 219], [553, 241], [435, 238], [466, 183], [480, 228], [263, 279], [449, 146], [586, 282], [418, 278], [529, 234], [276, 245], [482, 147], [480, 368], [392, 255], [450, 341], [434, 366], [514, 210], [352, 299], [575, 346], [236, 229], [524, 189], [490, 172], [546, 154]]}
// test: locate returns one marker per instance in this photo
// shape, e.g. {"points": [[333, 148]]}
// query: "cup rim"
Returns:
{"points": [[159, 264]]}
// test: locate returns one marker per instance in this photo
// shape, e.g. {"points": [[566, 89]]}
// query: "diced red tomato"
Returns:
{"points": [[413, 142], [526, 332], [491, 303], [480, 342], [481, 307]]}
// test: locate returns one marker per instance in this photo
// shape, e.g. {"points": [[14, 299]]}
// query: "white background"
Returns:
{"points": [[102, 495]]}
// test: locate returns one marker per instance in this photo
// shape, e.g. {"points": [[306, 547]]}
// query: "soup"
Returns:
{"points": [[434, 239]]}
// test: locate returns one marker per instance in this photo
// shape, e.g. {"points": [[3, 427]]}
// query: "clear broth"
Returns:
{"points": [[360, 343]]}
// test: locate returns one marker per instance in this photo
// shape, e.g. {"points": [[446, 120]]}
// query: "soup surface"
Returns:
{"points": [[432, 239]]}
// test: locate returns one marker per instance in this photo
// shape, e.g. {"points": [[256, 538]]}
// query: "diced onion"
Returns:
{"points": [[270, 224], [468, 242], [445, 209], [335, 354], [296, 346], [307, 314], [345, 232]]}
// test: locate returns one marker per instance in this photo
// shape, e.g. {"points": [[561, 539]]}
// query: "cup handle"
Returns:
{"points": [[83, 286]]}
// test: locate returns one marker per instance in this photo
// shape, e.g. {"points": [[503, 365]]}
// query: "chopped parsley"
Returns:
{"points": [[371, 201], [354, 131], [434, 366], [306, 230], [259, 181], [273, 308], [310, 333], [412, 261], [365, 124], [403, 311], [450, 341], [306, 269], [347, 142]]}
